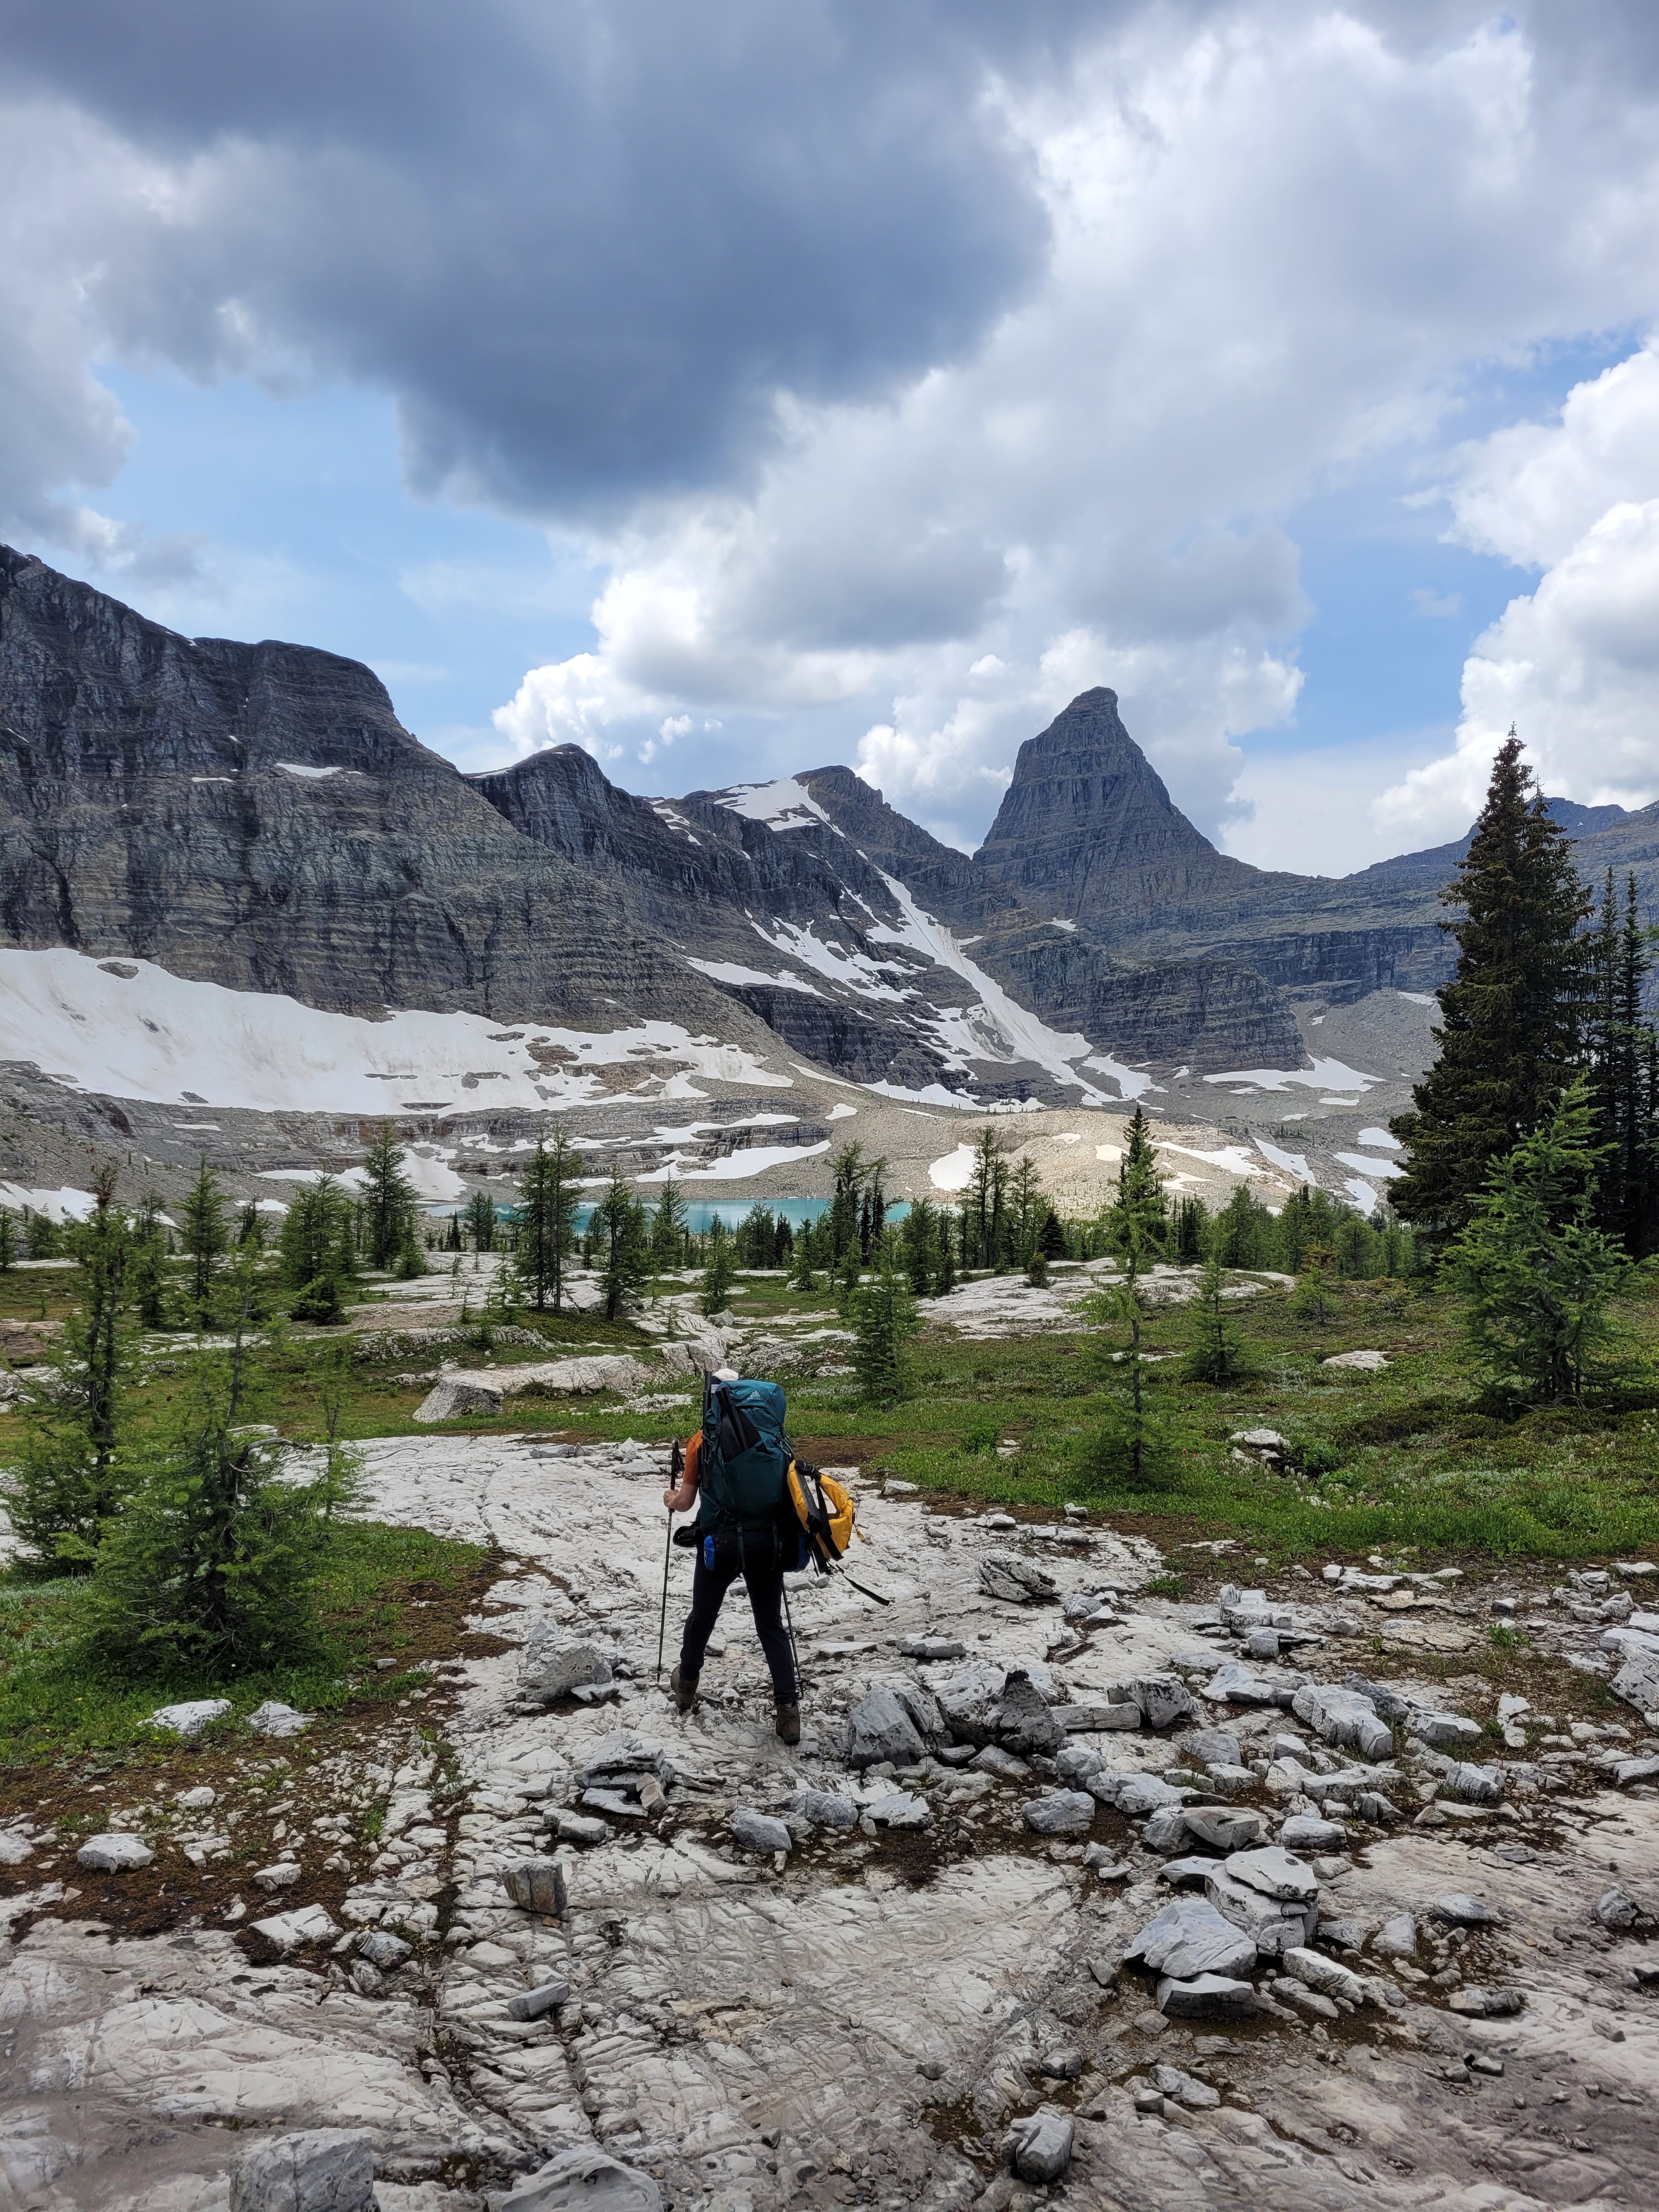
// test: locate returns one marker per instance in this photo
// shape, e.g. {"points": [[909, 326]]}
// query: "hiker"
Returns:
{"points": [[736, 1475]]}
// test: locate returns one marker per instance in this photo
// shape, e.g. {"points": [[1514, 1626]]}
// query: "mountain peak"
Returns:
{"points": [[1087, 831]]}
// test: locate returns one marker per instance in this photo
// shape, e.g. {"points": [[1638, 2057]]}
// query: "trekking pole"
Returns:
{"points": [[789, 1622], [674, 1469]]}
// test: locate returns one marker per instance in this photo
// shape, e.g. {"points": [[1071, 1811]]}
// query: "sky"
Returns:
{"points": [[734, 389]]}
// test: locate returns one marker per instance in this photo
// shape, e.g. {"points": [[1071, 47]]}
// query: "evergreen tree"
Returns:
{"points": [[250, 1226], [668, 1232], [1026, 1207], [1619, 1041], [984, 1201], [205, 1238], [1511, 1026], [547, 1219], [1192, 1230], [69, 1485], [801, 1277], [146, 1265], [618, 1228], [8, 1241], [1536, 1272], [1243, 1235], [883, 1313], [719, 1273], [313, 1251], [43, 1238], [1138, 1222], [480, 1222], [388, 1206], [919, 1241], [945, 1270], [1311, 1300], [214, 1557], [1214, 1355], [850, 1272]]}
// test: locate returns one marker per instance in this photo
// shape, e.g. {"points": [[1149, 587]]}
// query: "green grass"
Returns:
{"points": [[56, 1699]]}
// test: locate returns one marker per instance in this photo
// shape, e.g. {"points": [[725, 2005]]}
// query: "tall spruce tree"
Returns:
{"points": [[621, 1248], [388, 1200], [547, 1219], [1512, 1019], [1619, 1053], [205, 1237]]}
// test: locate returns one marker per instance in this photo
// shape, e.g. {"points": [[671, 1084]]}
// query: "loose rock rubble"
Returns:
{"points": [[1066, 1886]]}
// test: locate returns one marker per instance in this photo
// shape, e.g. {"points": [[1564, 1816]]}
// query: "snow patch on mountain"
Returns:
{"points": [[785, 804], [134, 1031], [1323, 1075]]}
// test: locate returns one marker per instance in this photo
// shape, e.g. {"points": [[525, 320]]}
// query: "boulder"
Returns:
{"points": [[1476, 2003], [1211, 1746], [537, 1886], [1023, 1721], [306, 1923], [1007, 1768], [1472, 1785], [759, 1831], [1165, 1831], [532, 2004], [452, 1398], [1039, 2146], [823, 1809], [275, 1718], [1275, 1872], [116, 1854], [553, 1662], [1638, 1681], [1443, 1731], [1189, 1937], [1223, 1827], [901, 1808], [1137, 1795], [283, 1876], [1615, 1910], [1396, 1938], [1159, 1699], [931, 1649], [587, 2178], [1017, 1581], [879, 1728], [384, 1949], [1307, 1832], [1205, 1996], [1347, 1718], [1458, 1910], [320, 2170], [1234, 1684], [1324, 1974], [189, 1719], [1274, 1925], [14, 1849], [1060, 1813], [1361, 1363]]}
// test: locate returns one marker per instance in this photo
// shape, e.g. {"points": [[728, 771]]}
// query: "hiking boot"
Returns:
{"points": [[685, 1693], [788, 1724]]}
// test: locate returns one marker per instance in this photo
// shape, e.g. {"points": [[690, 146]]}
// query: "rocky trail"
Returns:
{"points": [[1070, 1890]]}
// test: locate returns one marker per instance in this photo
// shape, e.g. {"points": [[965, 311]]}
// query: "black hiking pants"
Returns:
{"points": [[763, 1575]]}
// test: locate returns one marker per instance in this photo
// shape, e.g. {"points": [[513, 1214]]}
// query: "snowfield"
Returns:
{"points": [[130, 1029]]}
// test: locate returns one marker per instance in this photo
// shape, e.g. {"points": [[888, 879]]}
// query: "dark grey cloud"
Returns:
{"points": [[586, 245]]}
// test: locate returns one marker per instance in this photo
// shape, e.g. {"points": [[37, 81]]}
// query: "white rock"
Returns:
{"points": [[587, 2178], [1205, 1996], [453, 1397], [195, 1800], [554, 1662], [1017, 1581], [14, 1849], [1189, 1937], [283, 1876], [275, 1718], [191, 1719], [1366, 1362], [322, 2170], [1324, 1975], [306, 1923], [113, 1854], [1040, 2144]]}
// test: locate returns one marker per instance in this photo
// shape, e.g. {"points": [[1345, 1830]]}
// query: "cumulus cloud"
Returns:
{"points": [[901, 371], [1572, 664]]}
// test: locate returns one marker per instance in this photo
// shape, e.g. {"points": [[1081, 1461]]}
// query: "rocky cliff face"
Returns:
{"points": [[255, 815]]}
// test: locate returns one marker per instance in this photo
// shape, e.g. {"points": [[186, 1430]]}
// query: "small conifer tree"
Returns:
{"points": [[8, 1241], [719, 1273], [547, 1220], [1537, 1274], [1214, 1355], [204, 1237], [388, 1205], [622, 1245], [883, 1313]]}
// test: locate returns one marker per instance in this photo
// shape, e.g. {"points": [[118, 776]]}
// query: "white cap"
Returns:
{"points": [[726, 1374]]}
